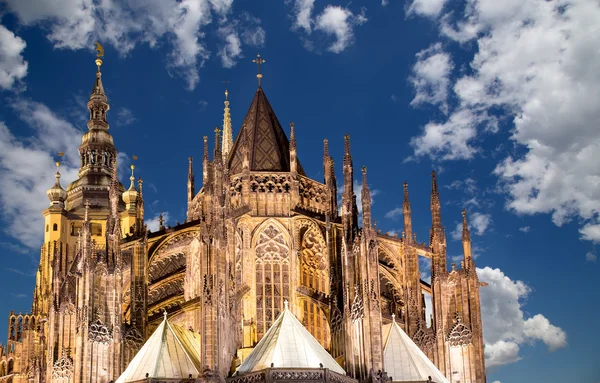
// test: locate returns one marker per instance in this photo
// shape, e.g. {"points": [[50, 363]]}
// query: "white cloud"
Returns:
{"points": [[76, 24], [428, 8], [12, 65], [384, 3], [591, 231], [27, 169], [591, 257], [303, 14], [231, 50], [478, 225], [505, 327], [248, 27], [339, 21], [334, 20], [525, 229], [125, 117], [153, 224], [395, 213], [431, 77], [222, 7], [535, 71]]}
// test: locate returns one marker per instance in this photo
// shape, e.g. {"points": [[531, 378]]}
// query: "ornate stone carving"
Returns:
{"points": [[98, 332], [459, 334], [357, 311], [63, 367], [133, 338], [424, 337]]}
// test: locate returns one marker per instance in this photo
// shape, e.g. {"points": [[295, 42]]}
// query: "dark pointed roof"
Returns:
{"points": [[268, 145]]}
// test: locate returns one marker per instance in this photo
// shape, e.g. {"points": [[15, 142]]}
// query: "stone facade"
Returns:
{"points": [[258, 232]]}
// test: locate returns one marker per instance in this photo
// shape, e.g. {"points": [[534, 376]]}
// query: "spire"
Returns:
{"points": [[406, 212], [466, 235], [366, 200], [466, 240], [161, 221], [98, 104], [436, 215], [293, 158], [349, 210], [114, 192], [205, 162], [190, 181], [217, 154], [326, 158], [292, 137], [262, 134], [97, 150], [140, 207], [227, 132], [437, 237]]}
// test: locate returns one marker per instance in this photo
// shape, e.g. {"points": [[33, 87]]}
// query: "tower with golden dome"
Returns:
{"points": [[262, 242]]}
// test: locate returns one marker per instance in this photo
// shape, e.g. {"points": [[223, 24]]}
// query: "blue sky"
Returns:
{"points": [[501, 98]]}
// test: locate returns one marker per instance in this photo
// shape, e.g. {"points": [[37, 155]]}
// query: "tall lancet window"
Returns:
{"points": [[272, 277], [315, 276]]}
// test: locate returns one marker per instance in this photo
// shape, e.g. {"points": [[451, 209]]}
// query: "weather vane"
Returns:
{"points": [[258, 61], [100, 53]]}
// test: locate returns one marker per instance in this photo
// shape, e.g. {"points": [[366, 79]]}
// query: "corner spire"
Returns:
{"points": [[227, 131], [436, 214], [406, 212], [217, 154], [466, 234], [190, 181], [292, 137], [293, 158], [366, 200]]}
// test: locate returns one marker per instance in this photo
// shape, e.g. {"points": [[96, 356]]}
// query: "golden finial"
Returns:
{"points": [[60, 154], [258, 61], [226, 82], [100, 53]]}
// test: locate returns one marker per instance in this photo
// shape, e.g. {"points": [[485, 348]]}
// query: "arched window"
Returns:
{"points": [[54, 227], [272, 277], [47, 228], [314, 275]]}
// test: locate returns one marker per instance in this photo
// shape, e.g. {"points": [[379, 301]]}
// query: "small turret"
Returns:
{"points": [[56, 194], [227, 131], [130, 196]]}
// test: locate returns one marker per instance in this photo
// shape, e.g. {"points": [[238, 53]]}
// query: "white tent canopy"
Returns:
{"points": [[404, 361], [170, 353], [288, 344]]}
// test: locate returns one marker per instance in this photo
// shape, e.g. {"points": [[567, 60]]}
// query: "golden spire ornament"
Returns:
{"points": [[258, 61], [100, 53]]}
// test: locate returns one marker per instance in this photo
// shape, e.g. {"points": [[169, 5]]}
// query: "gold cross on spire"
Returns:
{"points": [[258, 61]]}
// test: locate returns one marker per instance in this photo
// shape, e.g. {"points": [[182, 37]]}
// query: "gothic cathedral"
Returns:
{"points": [[259, 233]]}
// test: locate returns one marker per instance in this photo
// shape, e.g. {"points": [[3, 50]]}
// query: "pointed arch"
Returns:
{"points": [[264, 225], [272, 266]]}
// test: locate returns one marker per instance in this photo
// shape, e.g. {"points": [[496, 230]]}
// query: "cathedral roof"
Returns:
{"points": [[404, 361], [288, 344], [170, 353], [267, 144]]}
